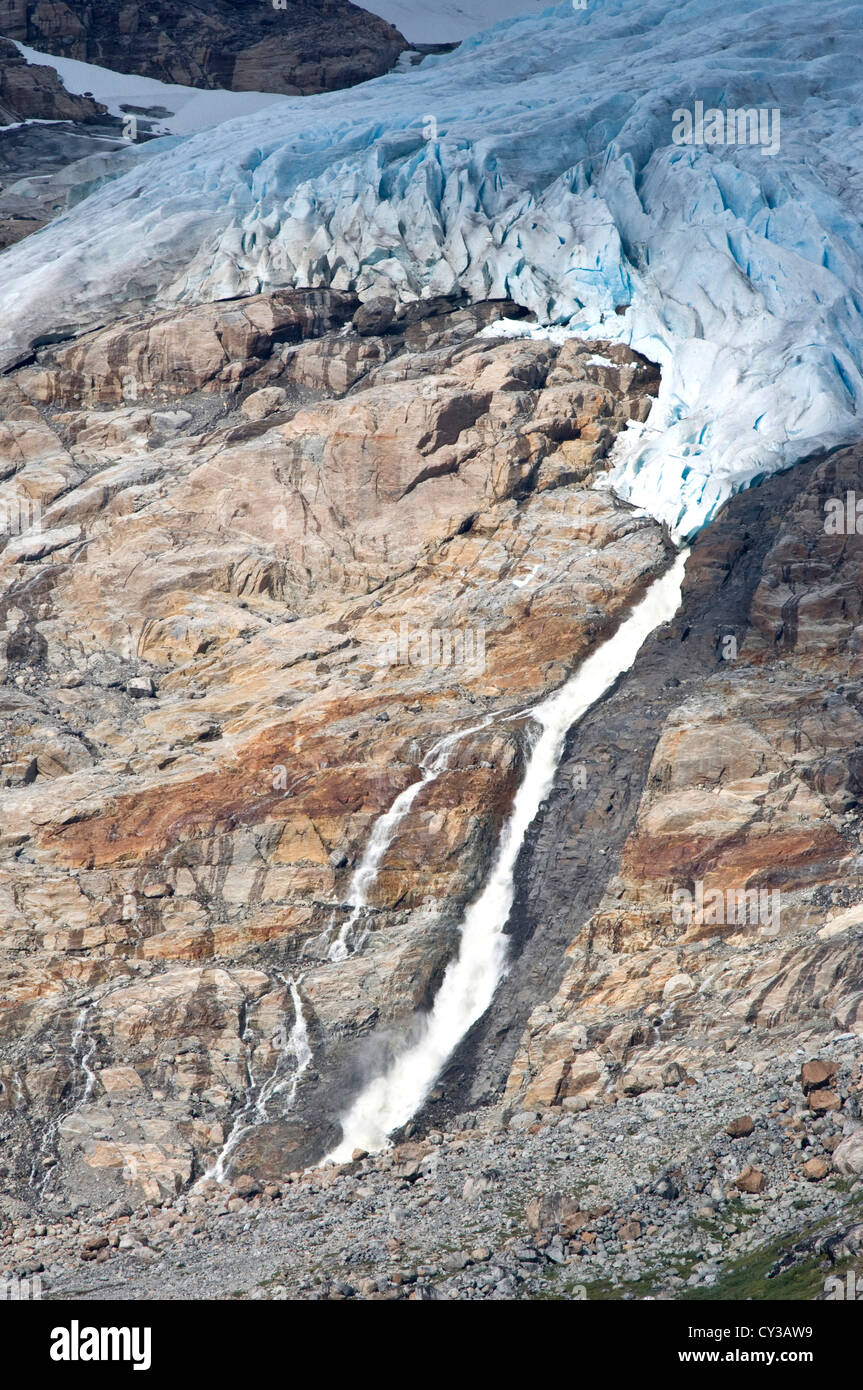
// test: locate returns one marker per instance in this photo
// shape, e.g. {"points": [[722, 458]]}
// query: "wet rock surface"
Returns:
{"points": [[726, 758]]}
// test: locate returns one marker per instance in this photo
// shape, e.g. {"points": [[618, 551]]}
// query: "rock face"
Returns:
{"points": [[296, 47], [278, 547], [259, 558]]}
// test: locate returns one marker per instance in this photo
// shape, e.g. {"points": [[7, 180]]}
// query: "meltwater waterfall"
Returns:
{"points": [[473, 975], [433, 764], [82, 1053], [294, 1055]]}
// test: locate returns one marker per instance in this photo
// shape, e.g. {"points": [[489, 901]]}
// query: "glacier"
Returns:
{"points": [[537, 161]]}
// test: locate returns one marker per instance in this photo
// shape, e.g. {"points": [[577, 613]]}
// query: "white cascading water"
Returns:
{"points": [[82, 1050], [82, 1056], [286, 1074], [298, 1047], [473, 975], [433, 764]]}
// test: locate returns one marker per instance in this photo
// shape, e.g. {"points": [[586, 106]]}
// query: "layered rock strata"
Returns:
{"points": [[277, 548]]}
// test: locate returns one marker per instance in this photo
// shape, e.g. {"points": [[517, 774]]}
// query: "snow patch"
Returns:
{"points": [[597, 360], [191, 108]]}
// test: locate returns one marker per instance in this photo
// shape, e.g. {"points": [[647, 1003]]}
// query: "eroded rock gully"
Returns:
{"points": [[250, 518]]}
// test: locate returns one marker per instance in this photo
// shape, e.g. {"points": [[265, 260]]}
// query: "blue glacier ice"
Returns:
{"points": [[537, 161]]}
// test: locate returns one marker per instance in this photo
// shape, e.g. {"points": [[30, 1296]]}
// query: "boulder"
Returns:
{"points": [[263, 402], [741, 1127], [814, 1169], [677, 987], [555, 1212], [817, 1074], [751, 1180], [848, 1155], [822, 1100]]}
